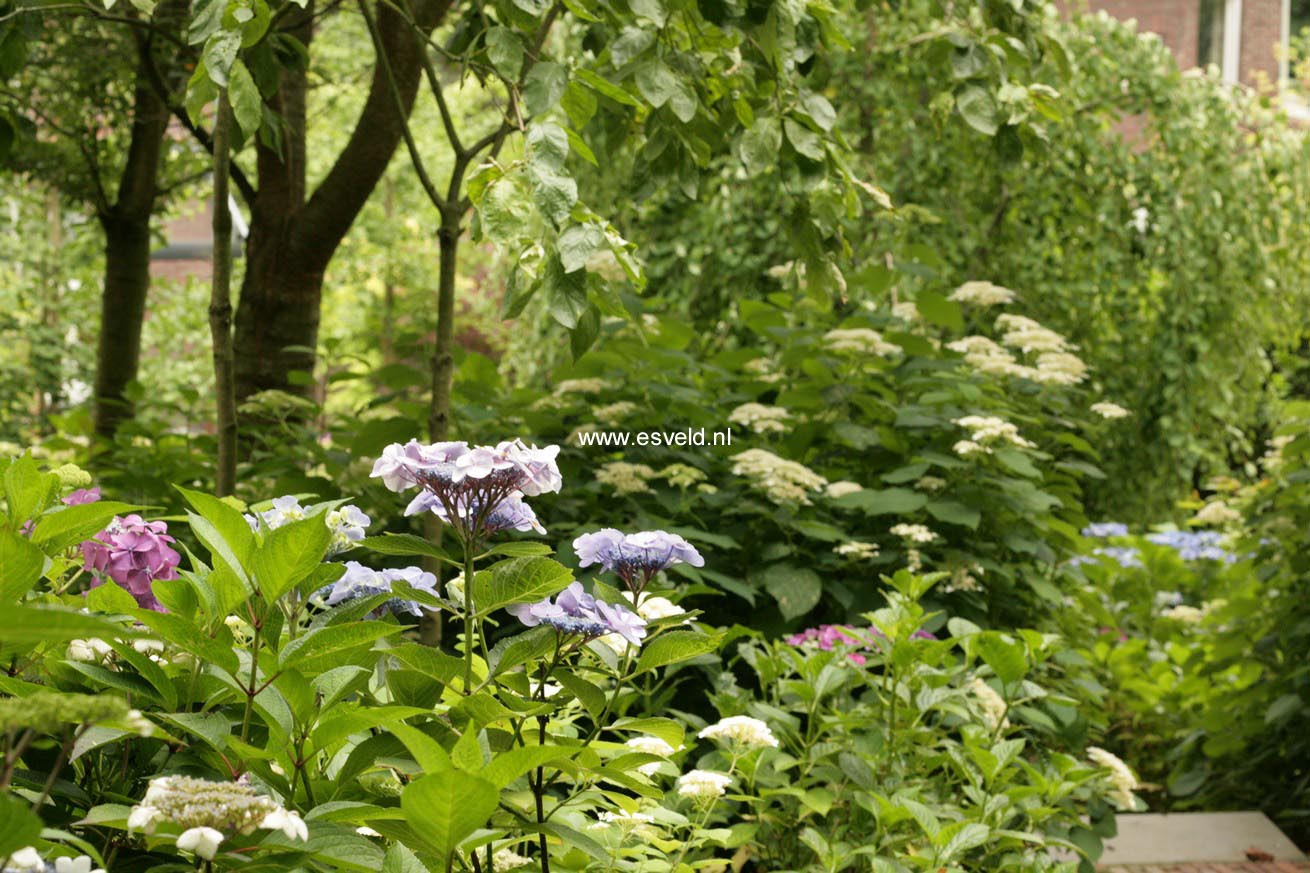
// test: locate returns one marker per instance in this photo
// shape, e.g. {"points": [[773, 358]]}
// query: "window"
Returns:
{"points": [[1210, 43]]}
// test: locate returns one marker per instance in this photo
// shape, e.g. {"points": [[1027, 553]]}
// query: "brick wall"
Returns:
{"points": [[1178, 24]]}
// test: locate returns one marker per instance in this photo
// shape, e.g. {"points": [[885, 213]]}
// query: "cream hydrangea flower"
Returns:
{"points": [[980, 293], [760, 418], [508, 859], [1059, 368], [990, 704], [1023, 333], [582, 386], [915, 533], [857, 550], [859, 340], [1217, 513], [1122, 779], [988, 429], [842, 488], [625, 478], [742, 731], [1109, 410], [1184, 613], [782, 481], [615, 414]]}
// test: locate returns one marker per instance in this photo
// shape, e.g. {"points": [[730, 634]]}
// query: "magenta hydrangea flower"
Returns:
{"points": [[828, 637], [82, 496], [476, 490], [134, 553], [574, 611], [635, 558]]}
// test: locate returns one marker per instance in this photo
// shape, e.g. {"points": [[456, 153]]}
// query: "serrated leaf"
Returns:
{"points": [[505, 51], [318, 649], [288, 555], [673, 648], [518, 580], [795, 589], [446, 808]]}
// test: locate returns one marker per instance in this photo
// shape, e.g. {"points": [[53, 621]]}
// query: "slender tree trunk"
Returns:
{"points": [[220, 303], [122, 311]]}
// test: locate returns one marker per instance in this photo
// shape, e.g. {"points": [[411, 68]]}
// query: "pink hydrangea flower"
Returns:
{"points": [[134, 553]]}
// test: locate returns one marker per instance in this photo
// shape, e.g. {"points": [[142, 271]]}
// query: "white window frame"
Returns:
{"points": [[1232, 49]]}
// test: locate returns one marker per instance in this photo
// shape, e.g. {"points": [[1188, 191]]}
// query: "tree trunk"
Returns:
{"points": [[293, 239], [122, 310], [220, 304]]}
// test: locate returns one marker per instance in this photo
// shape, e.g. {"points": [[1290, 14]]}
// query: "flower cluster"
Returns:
{"points": [[859, 340], [574, 611], [614, 414], [134, 553], [741, 732], [1122, 780], [842, 488], [703, 786], [782, 481], [1109, 410], [466, 486], [1184, 613], [990, 704], [28, 860], [582, 386], [1202, 545], [635, 558], [982, 294], [1124, 556], [626, 478], [915, 533], [760, 418], [348, 524], [1020, 332], [82, 496], [856, 550], [210, 812], [360, 581], [650, 746], [1217, 513], [986, 430], [1058, 368], [1106, 529], [840, 637]]}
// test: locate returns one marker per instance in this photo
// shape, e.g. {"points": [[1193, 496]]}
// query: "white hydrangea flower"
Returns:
{"points": [[26, 860], [762, 369], [288, 822], [241, 630], [930, 483], [905, 310], [857, 550], [582, 386], [1122, 779], [859, 340], [988, 429], [1217, 513], [348, 526], [1023, 333], [915, 533], [80, 864], [1184, 613], [615, 414], [203, 841], [782, 481], [842, 488], [981, 293], [366, 831], [991, 704], [760, 418], [703, 785], [964, 448], [92, 651], [653, 607], [743, 731], [650, 746], [1059, 368], [143, 818], [508, 859], [1109, 410]]}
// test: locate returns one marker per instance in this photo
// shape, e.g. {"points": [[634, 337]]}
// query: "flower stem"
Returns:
{"points": [[470, 620]]}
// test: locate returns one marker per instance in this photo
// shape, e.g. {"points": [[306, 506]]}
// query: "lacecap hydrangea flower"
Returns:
{"points": [[573, 611], [703, 785], [211, 812], [635, 558], [360, 581], [1123, 781], [1106, 529], [348, 523], [650, 746], [465, 486], [134, 553]]}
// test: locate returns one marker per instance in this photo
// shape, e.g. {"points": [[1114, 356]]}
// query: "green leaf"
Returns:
{"points": [[180, 632], [1004, 654], [804, 140], [28, 490], [19, 827], [604, 87], [518, 580], [544, 87], [521, 549], [404, 545], [937, 309], [505, 51], [978, 108], [445, 808], [505, 767], [666, 729], [74, 524], [955, 513], [578, 243], [222, 529], [21, 565], [566, 293], [247, 103], [40, 624], [320, 649], [399, 859], [554, 194], [585, 333], [818, 109], [959, 837], [889, 501], [673, 648], [758, 147], [796, 589], [288, 555]]}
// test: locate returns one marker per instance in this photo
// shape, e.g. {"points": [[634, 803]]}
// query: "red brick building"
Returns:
{"points": [[1243, 38]]}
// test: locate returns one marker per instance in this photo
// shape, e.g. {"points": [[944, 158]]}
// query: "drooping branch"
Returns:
{"points": [[220, 303]]}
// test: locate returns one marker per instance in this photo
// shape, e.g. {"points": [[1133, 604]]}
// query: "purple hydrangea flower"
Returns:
{"points": [[828, 637], [1106, 529], [469, 486], [574, 611], [635, 558], [360, 581], [82, 496], [134, 553]]}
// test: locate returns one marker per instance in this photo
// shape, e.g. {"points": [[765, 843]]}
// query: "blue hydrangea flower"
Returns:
{"points": [[635, 558], [1124, 556], [510, 514], [360, 581], [1103, 529], [1199, 545], [574, 611]]}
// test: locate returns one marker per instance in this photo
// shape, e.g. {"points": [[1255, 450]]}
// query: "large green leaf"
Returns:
{"points": [[19, 826], [223, 530], [37, 624], [289, 555], [796, 589], [403, 545], [445, 808], [69, 526], [518, 580], [21, 564], [673, 648], [321, 649]]}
